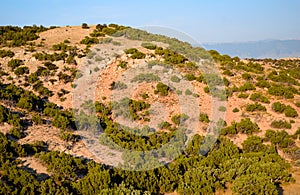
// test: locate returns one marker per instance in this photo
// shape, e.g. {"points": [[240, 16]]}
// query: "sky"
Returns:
{"points": [[206, 21]]}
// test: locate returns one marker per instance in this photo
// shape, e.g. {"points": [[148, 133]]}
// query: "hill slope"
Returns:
{"points": [[148, 93]]}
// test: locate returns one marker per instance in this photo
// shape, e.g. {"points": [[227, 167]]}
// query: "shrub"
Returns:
{"points": [[175, 79], [255, 107], [69, 137], [16, 133], [122, 64], [206, 89], [179, 118], [21, 70], [290, 112], [281, 124], [145, 96], [280, 138], [148, 77], [247, 126], [228, 73], [135, 54], [204, 118], [97, 33], [235, 110], [6, 53], [190, 77], [226, 82], [246, 76], [118, 85], [89, 40], [66, 41], [162, 89], [85, 26], [109, 31], [278, 107], [263, 84], [247, 86], [222, 109], [259, 97], [286, 92], [149, 46], [188, 92], [14, 63], [37, 119], [3, 114], [32, 78], [243, 95]]}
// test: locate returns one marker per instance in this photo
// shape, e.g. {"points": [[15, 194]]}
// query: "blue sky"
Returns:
{"points": [[204, 20]]}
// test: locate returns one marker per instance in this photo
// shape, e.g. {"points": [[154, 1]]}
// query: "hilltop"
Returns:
{"points": [[59, 84]]}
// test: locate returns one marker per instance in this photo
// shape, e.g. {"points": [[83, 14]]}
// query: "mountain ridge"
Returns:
{"points": [[269, 48]]}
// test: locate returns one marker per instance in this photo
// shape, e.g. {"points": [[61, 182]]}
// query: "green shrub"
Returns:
{"points": [[263, 84], [178, 92], [145, 95], [16, 133], [85, 26], [286, 92], [6, 53], [290, 112], [97, 33], [175, 79], [259, 97], [226, 81], [243, 95], [255, 107], [228, 73], [222, 109], [278, 107], [149, 46], [148, 77], [188, 92], [162, 89], [179, 118], [122, 64], [279, 138], [22, 70], [14, 63], [206, 89], [109, 31], [235, 110], [204, 118], [69, 137], [246, 76], [281, 124], [190, 77], [118, 85], [37, 119], [89, 40], [4, 112], [245, 126], [246, 87], [135, 54]]}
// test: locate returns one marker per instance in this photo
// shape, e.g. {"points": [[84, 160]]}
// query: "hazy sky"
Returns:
{"points": [[204, 20]]}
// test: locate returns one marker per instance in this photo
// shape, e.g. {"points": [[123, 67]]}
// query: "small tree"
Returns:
{"points": [[85, 26]]}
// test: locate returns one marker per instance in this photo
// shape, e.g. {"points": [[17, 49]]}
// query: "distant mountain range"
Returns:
{"points": [[259, 49]]}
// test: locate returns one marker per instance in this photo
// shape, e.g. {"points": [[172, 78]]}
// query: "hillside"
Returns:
{"points": [[109, 109]]}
